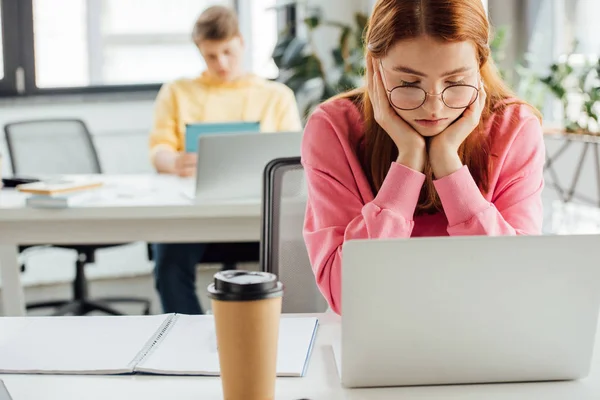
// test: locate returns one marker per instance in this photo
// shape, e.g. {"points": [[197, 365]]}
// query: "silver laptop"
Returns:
{"points": [[468, 310], [230, 167]]}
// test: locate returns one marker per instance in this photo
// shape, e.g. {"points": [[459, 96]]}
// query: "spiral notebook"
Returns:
{"points": [[169, 344]]}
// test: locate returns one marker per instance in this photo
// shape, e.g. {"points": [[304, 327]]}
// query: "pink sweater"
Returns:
{"points": [[341, 205]]}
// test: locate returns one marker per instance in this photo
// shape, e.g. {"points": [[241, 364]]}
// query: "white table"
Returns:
{"points": [[150, 208], [321, 382]]}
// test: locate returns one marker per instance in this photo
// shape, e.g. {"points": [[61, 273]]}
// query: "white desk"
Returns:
{"points": [[149, 208], [321, 382]]}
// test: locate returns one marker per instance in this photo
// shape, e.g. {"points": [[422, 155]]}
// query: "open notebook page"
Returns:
{"points": [[190, 347], [74, 345]]}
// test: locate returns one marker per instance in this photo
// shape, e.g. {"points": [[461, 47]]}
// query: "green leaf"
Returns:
{"points": [[559, 91], [297, 81], [314, 17], [574, 47], [293, 53], [312, 67], [358, 70], [345, 37], [312, 22], [589, 108], [337, 56], [572, 126], [346, 82], [344, 45], [568, 69], [282, 44], [498, 44], [361, 20], [328, 92], [361, 27], [309, 108]]}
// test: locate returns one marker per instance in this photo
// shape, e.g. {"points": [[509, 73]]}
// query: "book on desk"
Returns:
{"points": [[60, 192], [60, 186], [195, 130], [168, 344]]}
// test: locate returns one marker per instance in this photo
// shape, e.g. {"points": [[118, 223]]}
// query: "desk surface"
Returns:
{"points": [[152, 208], [321, 382], [131, 197]]}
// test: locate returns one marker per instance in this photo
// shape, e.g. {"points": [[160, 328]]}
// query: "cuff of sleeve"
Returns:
{"points": [[460, 196], [400, 190]]}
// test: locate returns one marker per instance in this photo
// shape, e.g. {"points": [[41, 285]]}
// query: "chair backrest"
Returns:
{"points": [[51, 147], [283, 251]]}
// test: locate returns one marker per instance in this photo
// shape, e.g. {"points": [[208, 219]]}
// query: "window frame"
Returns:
{"points": [[19, 57], [10, 49]]}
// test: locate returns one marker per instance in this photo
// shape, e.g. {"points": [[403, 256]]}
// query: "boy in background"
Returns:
{"points": [[224, 92]]}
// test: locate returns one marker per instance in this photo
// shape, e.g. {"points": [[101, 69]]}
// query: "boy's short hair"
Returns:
{"points": [[216, 23]]}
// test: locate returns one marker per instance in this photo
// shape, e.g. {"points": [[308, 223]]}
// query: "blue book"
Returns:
{"points": [[193, 131]]}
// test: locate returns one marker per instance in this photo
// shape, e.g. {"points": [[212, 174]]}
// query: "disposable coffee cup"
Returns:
{"points": [[247, 308]]}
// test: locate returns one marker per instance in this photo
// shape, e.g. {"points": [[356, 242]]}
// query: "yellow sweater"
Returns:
{"points": [[203, 100]]}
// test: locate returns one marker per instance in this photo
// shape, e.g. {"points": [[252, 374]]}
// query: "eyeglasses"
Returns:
{"points": [[409, 98]]}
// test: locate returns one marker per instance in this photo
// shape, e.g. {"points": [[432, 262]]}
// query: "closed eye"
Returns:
{"points": [[410, 84], [459, 82]]}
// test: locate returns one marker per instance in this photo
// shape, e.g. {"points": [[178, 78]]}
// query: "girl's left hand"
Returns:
{"points": [[443, 149]]}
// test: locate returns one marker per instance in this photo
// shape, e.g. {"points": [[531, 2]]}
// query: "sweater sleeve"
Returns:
{"points": [[164, 129], [516, 206], [335, 209]]}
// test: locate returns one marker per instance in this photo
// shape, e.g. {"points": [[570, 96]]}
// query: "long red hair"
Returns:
{"points": [[445, 20]]}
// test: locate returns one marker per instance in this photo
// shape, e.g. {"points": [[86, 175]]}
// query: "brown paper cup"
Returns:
{"points": [[247, 330]]}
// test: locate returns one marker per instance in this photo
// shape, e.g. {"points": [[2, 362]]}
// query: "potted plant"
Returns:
{"points": [[575, 82], [302, 68]]}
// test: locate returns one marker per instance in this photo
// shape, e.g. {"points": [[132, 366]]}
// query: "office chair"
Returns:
{"points": [[283, 251], [59, 147]]}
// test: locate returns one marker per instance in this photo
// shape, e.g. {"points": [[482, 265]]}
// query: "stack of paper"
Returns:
{"points": [[60, 193]]}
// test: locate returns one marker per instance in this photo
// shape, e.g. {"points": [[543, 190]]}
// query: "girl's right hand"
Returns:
{"points": [[412, 149]]}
